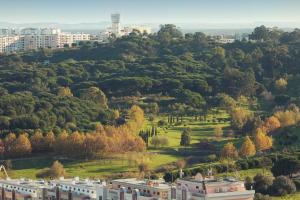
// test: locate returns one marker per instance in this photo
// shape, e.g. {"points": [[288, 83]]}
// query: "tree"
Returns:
{"points": [[64, 92], [286, 166], [260, 33], [181, 164], [49, 141], [96, 95], [185, 137], [262, 184], [9, 144], [271, 124], [143, 168], [37, 142], [281, 84], [282, 185], [57, 170], [229, 152], [262, 141], [218, 131], [159, 141], [239, 117], [22, 146], [248, 148]]}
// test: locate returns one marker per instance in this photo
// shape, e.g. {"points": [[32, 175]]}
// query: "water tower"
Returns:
{"points": [[115, 23]]}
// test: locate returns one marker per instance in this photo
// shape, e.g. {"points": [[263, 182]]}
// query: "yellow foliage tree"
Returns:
{"points": [[262, 141], [37, 141], [271, 124], [229, 152], [218, 131], [248, 148], [49, 141], [9, 144], [281, 84], [65, 92], [22, 146]]}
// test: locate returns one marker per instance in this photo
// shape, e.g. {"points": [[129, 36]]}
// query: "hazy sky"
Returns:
{"points": [[150, 11]]}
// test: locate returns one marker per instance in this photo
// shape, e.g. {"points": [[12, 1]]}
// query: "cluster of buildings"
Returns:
{"points": [[35, 38], [118, 30], [13, 40], [125, 189]]}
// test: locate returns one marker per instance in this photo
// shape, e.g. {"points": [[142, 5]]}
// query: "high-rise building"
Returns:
{"points": [[116, 24]]}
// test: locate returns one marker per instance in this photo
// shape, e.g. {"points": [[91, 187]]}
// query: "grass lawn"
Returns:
{"points": [[27, 168], [154, 156], [288, 197]]}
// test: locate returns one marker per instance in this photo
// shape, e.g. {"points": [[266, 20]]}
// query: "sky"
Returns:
{"points": [[150, 11]]}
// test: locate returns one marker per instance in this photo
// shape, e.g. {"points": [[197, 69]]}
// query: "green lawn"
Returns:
{"points": [[155, 157]]}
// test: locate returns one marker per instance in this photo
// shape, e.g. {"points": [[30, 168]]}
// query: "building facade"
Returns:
{"points": [[33, 39], [124, 189]]}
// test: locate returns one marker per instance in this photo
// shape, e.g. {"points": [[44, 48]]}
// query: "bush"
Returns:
{"points": [[262, 184], [248, 183], [243, 165], [282, 185]]}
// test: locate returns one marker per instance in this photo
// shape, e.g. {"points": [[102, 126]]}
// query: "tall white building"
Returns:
{"points": [[33, 38], [116, 24]]}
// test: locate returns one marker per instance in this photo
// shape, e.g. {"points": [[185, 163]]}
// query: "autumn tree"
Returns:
{"points": [[218, 131], [75, 144], [2, 148], [143, 169], [61, 143], [22, 146], [239, 117], [64, 92], [229, 152], [49, 141], [271, 124], [37, 142], [281, 84], [9, 144], [262, 141], [248, 148], [57, 170]]}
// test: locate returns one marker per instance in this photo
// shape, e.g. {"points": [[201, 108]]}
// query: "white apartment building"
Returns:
{"points": [[33, 39], [10, 44]]}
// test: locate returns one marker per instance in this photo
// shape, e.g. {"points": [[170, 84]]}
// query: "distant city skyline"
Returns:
{"points": [[152, 11]]}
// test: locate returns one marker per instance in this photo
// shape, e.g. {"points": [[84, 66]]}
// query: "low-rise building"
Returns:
{"points": [[136, 189], [212, 189]]}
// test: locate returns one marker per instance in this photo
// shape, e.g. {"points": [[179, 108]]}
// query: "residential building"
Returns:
{"points": [[33, 39], [75, 189], [136, 189], [212, 189], [13, 189], [125, 189]]}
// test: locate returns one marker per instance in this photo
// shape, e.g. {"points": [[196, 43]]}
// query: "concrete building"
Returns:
{"points": [[33, 39], [12, 189], [116, 24], [212, 189], [197, 188], [135, 189], [76, 189], [10, 44]]}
